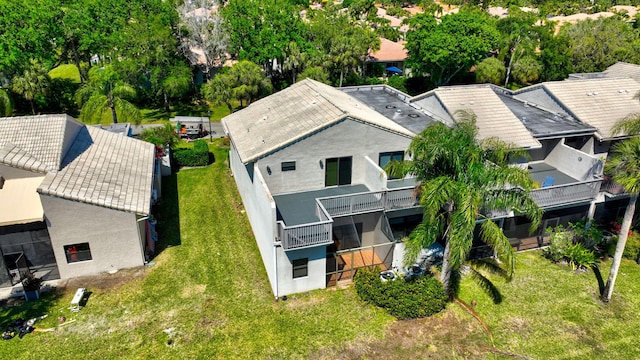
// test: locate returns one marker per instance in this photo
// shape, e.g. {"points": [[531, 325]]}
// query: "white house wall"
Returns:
{"points": [[347, 138], [112, 235], [316, 269], [575, 163], [260, 209]]}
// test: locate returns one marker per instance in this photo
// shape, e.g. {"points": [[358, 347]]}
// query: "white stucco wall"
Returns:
{"points": [[347, 138], [374, 176], [113, 236], [575, 163], [261, 211], [317, 270]]}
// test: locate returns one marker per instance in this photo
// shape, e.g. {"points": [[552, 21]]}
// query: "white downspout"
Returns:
{"points": [[275, 262]]}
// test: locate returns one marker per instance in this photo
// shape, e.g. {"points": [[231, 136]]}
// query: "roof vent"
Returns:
{"points": [[415, 116], [264, 118], [390, 107], [595, 93], [471, 102], [398, 110], [524, 119], [526, 104], [313, 102], [589, 93], [620, 91]]}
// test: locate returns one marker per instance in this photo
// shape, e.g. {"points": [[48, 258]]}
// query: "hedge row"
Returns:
{"points": [[198, 156], [420, 297]]}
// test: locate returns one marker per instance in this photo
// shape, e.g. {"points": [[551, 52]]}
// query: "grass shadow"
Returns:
{"points": [[15, 308], [598, 275], [167, 212]]}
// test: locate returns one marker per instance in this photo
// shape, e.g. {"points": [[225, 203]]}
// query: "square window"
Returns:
{"points": [[300, 268], [288, 165], [77, 252]]}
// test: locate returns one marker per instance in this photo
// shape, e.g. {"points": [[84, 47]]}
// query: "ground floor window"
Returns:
{"points": [[300, 268], [77, 252]]}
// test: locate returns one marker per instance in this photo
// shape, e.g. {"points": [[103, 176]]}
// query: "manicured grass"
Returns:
{"points": [[66, 71], [207, 296], [552, 312]]}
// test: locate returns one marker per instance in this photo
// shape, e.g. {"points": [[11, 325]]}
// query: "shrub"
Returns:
{"points": [[632, 247], [568, 245], [580, 257], [198, 156], [421, 297]]}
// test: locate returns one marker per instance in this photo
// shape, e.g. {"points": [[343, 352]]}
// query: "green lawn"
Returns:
{"points": [[66, 71], [207, 289], [207, 296]]}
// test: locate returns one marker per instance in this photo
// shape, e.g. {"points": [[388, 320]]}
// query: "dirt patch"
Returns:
{"points": [[437, 337], [103, 281]]}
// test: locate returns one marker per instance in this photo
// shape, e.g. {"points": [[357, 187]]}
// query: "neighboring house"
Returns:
{"points": [[75, 200], [390, 58], [309, 160]]}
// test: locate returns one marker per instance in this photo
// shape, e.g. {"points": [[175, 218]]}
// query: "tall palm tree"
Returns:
{"points": [[462, 179], [105, 93], [624, 165], [34, 81]]}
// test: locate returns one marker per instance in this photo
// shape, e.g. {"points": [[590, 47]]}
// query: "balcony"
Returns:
{"points": [[306, 219], [558, 188]]}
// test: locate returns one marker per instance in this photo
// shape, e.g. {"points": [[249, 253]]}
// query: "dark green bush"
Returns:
{"points": [[421, 297], [198, 156], [632, 247], [580, 257], [570, 245]]}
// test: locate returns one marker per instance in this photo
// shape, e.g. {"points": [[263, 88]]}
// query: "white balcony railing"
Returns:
{"points": [[566, 194]]}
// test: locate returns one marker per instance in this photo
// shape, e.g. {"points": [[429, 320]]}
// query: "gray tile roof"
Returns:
{"points": [[493, 117], [294, 113], [82, 163], [623, 70], [598, 102], [43, 137]]}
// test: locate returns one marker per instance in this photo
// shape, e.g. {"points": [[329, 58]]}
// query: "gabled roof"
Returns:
{"points": [[85, 164], [38, 142], [623, 70], [493, 117], [296, 112], [598, 102]]}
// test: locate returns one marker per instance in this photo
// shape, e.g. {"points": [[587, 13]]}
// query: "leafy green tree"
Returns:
{"points": [[527, 70], [456, 44], [490, 70], [106, 94], [461, 179], [33, 82], [28, 30], [219, 90], [260, 31], [6, 106], [316, 73], [249, 81], [555, 55], [520, 36], [295, 60], [597, 44]]}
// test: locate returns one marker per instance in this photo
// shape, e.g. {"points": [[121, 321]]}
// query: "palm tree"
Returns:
{"points": [[104, 94], [33, 82], [6, 107], [461, 180], [624, 165], [219, 90]]}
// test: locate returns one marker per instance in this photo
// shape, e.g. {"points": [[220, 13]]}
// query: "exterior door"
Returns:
{"points": [[338, 171]]}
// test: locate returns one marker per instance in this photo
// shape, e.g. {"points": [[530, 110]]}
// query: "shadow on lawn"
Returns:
{"points": [[168, 215], [12, 309], [598, 275]]}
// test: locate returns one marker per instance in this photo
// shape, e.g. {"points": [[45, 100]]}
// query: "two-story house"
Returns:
{"points": [[309, 164]]}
